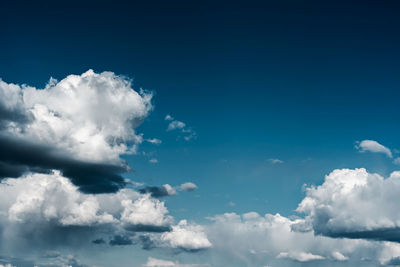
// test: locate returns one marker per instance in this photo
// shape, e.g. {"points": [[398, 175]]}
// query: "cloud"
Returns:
{"points": [[188, 187], [39, 211], [299, 256], [373, 146], [119, 240], [189, 134], [159, 191], [254, 240], [188, 237], [153, 262], [355, 204], [167, 190], [154, 141], [153, 160], [275, 161], [80, 125]]}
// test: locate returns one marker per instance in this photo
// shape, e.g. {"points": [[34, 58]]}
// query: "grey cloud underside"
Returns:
{"points": [[119, 240], [18, 157], [384, 234], [155, 191]]}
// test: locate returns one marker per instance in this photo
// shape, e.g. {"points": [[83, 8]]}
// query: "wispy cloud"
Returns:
{"points": [[373, 146]]}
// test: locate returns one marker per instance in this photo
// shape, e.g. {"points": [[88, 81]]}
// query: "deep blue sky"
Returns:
{"points": [[300, 81]]}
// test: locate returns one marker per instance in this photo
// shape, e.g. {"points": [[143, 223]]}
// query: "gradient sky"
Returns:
{"points": [[274, 94]]}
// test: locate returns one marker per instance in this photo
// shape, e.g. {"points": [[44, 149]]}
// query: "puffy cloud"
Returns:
{"points": [[189, 237], [173, 125], [373, 146], [80, 125], [188, 187], [253, 240], [47, 210], [355, 204], [159, 191], [91, 116], [339, 256], [299, 256]]}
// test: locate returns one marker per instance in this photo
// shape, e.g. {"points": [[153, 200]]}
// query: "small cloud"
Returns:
{"points": [[299, 256], [154, 141], [153, 160], [336, 255], [374, 147], [119, 240], [169, 118], [99, 241], [189, 134], [231, 204], [275, 161], [188, 187], [159, 191], [396, 161]]}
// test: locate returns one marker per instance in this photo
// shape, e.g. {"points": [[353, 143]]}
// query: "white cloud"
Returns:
{"points": [[153, 262], [145, 211], [299, 256], [187, 236], [188, 187], [339, 256], [373, 146], [173, 125], [154, 141], [51, 197], [189, 134], [90, 116], [253, 240], [275, 161], [355, 204], [396, 161], [153, 160]]}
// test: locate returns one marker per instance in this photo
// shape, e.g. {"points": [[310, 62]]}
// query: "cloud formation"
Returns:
{"points": [[181, 126], [354, 204], [373, 146], [186, 236], [80, 125]]}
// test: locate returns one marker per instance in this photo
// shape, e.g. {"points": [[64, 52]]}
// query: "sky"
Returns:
{"points": [[209, 133]]}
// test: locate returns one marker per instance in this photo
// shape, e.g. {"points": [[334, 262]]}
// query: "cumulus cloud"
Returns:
{"points": [[189, 237], [80, 125], [373, 146], [47, 210], [355, 204], [188, 187], [254, 240]]}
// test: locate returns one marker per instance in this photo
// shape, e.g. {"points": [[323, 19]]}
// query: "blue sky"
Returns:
{"points": [[274, 95]]}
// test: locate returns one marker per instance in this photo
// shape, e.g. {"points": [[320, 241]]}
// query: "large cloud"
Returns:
{"points": [[87, 119], [355, 204], [254, 240], [44, 210]]}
